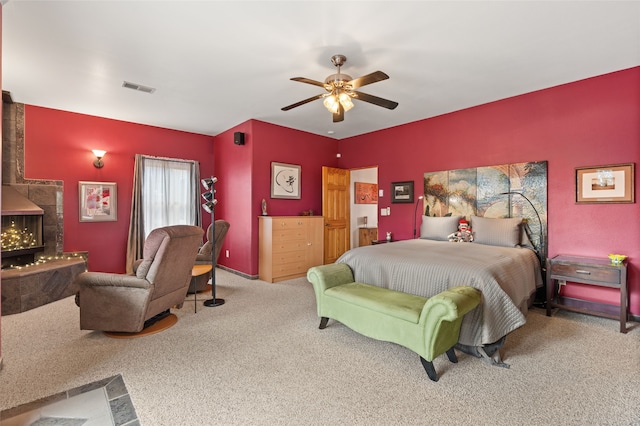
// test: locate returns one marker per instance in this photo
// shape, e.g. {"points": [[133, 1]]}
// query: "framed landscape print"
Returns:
{"points": [[97, 201], [605, 184], [402, 192]]}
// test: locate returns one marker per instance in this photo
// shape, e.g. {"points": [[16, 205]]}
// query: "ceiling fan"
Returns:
{"points": [[341, 88]]}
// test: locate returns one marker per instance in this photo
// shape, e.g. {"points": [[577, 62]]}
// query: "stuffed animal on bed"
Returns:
{"points": [[463, 234]]}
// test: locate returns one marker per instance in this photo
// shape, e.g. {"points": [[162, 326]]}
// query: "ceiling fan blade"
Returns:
{"points": [[297, 104], [385, 103], [308, 81], [368, 79], [339, 116]]}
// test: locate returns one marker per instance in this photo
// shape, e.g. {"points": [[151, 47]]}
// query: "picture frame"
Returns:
{"points": [[365, 193], [285, 180], [97, 201], [402, 192], [605, 184]]}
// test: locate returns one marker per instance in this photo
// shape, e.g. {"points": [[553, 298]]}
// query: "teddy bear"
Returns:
{"points": [[463, 234]]}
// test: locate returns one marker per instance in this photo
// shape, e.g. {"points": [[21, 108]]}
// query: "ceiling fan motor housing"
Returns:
{"points": [[338, 80]]}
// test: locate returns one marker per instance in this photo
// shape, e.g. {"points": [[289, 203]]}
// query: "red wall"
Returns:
{"points": [[590, 122], [58, 147], [244, 173], [586, 123]]}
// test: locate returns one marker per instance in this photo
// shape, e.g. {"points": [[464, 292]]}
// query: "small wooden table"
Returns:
{"points": [[196, 271], [590, 271]]}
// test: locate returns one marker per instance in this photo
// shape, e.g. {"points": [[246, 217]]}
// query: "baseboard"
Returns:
{"points": [[242, 274]]}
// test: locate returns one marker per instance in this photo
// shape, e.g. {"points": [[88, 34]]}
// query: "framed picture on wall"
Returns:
{"points": [[98, 201], [605, 184], [402, 192], [366, 193], [285, 180]]}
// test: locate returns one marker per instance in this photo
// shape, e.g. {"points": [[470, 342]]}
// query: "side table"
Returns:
{"points": [[590, 271], [197, 271]]}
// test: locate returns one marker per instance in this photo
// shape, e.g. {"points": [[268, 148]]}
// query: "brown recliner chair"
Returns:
{"points": [[122, 302], [204, 255]]}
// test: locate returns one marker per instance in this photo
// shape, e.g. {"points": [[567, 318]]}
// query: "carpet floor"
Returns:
{"points": [[260, 359]]}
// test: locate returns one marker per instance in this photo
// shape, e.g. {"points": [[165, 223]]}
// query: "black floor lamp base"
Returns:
{"points": [[213, 302]]}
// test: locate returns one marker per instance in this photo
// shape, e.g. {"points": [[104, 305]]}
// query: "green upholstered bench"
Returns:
{"points": [[427, 326]]}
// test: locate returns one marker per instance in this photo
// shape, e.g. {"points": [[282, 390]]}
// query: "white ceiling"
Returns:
{"points": [[216, 64]]}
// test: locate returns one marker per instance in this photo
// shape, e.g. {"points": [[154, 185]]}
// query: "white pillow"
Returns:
{"points": [[503, 232], [438, 227]]}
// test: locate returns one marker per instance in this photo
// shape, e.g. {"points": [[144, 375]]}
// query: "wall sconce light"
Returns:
{"points": [[99, 153]]}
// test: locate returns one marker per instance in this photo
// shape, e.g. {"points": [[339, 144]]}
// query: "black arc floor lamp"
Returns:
{"points": [[209, 207], [415, 211], [541, 251]]}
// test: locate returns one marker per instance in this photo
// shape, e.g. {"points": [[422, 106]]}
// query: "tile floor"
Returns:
{"points": [[103, 403]]}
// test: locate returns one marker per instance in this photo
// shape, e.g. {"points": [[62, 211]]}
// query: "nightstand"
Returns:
{"points": [[590, 271], [367, 235]]}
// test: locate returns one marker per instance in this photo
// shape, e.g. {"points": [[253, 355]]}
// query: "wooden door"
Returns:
{"points": [[335, 209]]}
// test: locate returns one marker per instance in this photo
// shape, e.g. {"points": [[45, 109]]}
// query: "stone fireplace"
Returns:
{"points": [[22, 229], [50, 275]]}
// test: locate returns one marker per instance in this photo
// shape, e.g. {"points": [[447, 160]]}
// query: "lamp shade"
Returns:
{"points": [[208, 196], [207, 183], [208, 206]]}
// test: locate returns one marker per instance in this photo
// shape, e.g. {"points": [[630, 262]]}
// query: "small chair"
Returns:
{"points": [[127, 303], [203, 257]]}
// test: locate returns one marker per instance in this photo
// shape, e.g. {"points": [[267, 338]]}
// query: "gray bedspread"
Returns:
{"points": [[507, 277]]}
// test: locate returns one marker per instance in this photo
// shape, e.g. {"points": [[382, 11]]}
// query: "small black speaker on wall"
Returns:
{"points": [[238, 138]]}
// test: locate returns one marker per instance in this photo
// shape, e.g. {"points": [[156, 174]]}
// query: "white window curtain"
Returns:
{"points": [[165, 192], [168, 193]]}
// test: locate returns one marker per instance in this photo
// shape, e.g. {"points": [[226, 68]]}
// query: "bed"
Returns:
{"points": [[498, 262]]}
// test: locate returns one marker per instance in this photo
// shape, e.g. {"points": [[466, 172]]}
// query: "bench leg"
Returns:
{"points": [[428, 367], [451, 354], [323, 323]]}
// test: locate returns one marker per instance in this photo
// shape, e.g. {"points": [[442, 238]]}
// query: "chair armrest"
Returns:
{"points": [[104, 279], [203, 259]]}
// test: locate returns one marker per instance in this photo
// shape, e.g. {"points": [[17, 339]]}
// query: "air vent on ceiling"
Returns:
{"points": [[138, 87]]}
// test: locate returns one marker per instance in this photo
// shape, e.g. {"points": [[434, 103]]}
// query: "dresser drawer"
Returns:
{"points": [[586, 272], [280, 235]]}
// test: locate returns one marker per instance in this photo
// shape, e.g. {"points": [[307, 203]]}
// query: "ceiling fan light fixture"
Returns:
{"points": [[341, 88], [332, 104], [346, 101]]}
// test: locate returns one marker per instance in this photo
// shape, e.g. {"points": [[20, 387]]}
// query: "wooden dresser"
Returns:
{"points": [[367, 235], [289, 246]]}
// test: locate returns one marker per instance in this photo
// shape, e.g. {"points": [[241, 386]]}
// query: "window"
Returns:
{"points": [[169, 193]]}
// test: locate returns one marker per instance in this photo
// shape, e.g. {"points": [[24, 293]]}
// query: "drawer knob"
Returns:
{"points": [[582, 271]]}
